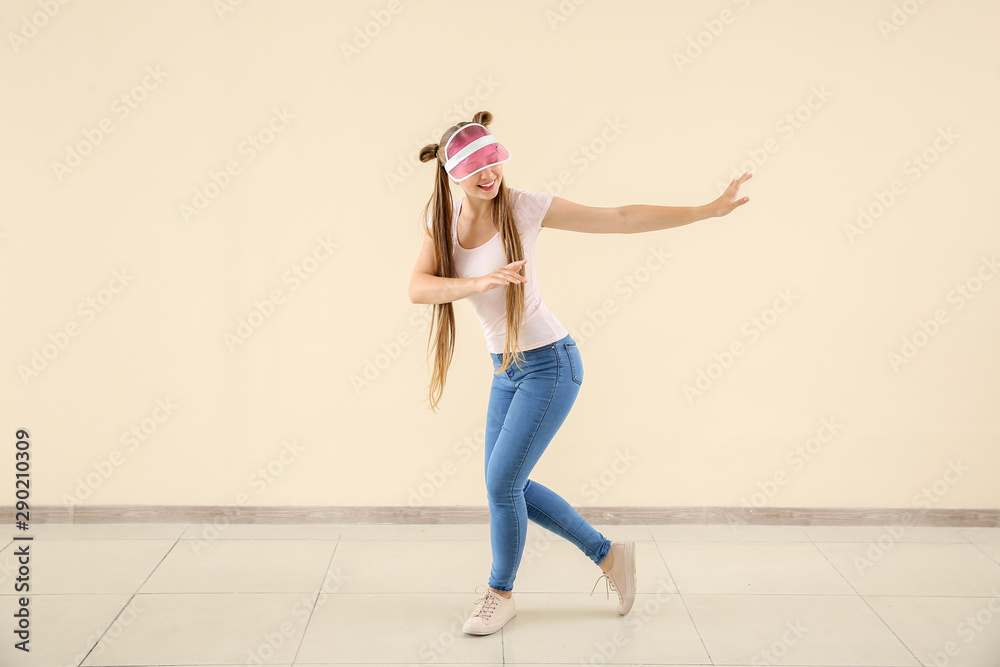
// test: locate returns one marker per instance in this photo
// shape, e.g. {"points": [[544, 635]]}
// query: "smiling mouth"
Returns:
{"points": [[488, 186]]}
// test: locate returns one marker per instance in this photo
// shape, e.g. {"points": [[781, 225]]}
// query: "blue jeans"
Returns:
{"points": [[527, 406]]}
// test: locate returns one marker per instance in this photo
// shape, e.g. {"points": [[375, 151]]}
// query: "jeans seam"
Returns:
{"points": [[571, 367], [550, 518]]}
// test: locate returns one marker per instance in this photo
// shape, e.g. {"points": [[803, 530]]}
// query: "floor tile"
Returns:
{"points": [[257, 531], [245, 592], [728, 533], [614, 533], [242, 566], [577, 630], [411, 532], [557, 566], [210, 629], [63, 628], [979, 535], [953, 631], [795, 630], [620, 533], [87, 566], [403, 628], [872, 533], [752, 567], [107, 531], [477, 531], [421, 566], [991, 550], [900, 568]]}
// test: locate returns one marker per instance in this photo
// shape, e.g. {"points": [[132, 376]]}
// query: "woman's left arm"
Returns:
{"points": [[637, 218]]}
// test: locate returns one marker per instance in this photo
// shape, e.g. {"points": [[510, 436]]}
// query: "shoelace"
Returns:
{"points": [[486, 605], [610, 587]]}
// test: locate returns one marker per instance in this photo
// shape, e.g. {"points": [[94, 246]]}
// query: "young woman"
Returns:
{"points": [[472, 247]]}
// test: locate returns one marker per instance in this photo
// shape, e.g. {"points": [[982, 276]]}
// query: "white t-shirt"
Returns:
{"points": [[539, 326]]}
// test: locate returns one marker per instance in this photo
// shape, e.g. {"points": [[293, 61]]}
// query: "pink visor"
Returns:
{"points": [[470, 150]]}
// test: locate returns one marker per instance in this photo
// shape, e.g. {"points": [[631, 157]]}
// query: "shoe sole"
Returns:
{"points": [[480, 632], [629, 592]]}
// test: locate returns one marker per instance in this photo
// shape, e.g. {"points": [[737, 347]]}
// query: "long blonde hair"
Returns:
{"points": [[442, 332]]}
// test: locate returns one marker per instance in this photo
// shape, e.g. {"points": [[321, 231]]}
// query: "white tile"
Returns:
{"points": [[918, 568], [900, 533], [795, 630], [63, 628], [728, 533], [945, 630], [410, 532], [396, 628], [620, 533], [262, 531], [210, 629], [979, 535], [242, 566], [107, 531], [377, 574], [991, 550], [557, 566], [576, 629], [751, 567], [419, 566], [86, 566]]}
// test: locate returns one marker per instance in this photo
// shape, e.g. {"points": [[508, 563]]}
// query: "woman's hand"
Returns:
{"points": [[729, 199], [502, 276]]}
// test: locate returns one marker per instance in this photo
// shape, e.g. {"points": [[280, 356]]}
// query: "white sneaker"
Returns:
{"points": [[491, 613], [621, 577]]}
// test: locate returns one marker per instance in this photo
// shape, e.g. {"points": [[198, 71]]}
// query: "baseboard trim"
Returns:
{"points": [[608, 515]]}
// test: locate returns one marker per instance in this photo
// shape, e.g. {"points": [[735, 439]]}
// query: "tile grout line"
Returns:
{"points": [[983, 551], [670, 574], [867, 604], [326, 572], [503, 648], [130, 599]]}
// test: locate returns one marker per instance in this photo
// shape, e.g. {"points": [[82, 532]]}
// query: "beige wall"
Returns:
{"points": [[829, 109]]}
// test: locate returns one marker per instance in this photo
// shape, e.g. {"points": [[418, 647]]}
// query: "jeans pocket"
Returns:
{"points": [[575, 362]]}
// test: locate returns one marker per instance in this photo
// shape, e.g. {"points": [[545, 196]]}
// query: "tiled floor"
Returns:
{"points": [[184, 595]]}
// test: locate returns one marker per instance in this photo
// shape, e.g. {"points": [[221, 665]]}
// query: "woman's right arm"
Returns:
{"points": [[425, 287]]}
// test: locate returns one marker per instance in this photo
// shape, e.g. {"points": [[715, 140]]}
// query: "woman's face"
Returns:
{"points": [[485, 177]]}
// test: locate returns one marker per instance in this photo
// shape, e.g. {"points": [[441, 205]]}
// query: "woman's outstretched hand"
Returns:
{"points": [[730, 199]]}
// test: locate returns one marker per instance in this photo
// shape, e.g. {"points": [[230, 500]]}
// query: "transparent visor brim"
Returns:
{"points": [[487, 156]]}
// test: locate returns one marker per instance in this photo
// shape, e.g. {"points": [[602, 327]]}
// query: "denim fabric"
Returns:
{"points": [[527, 406]]}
